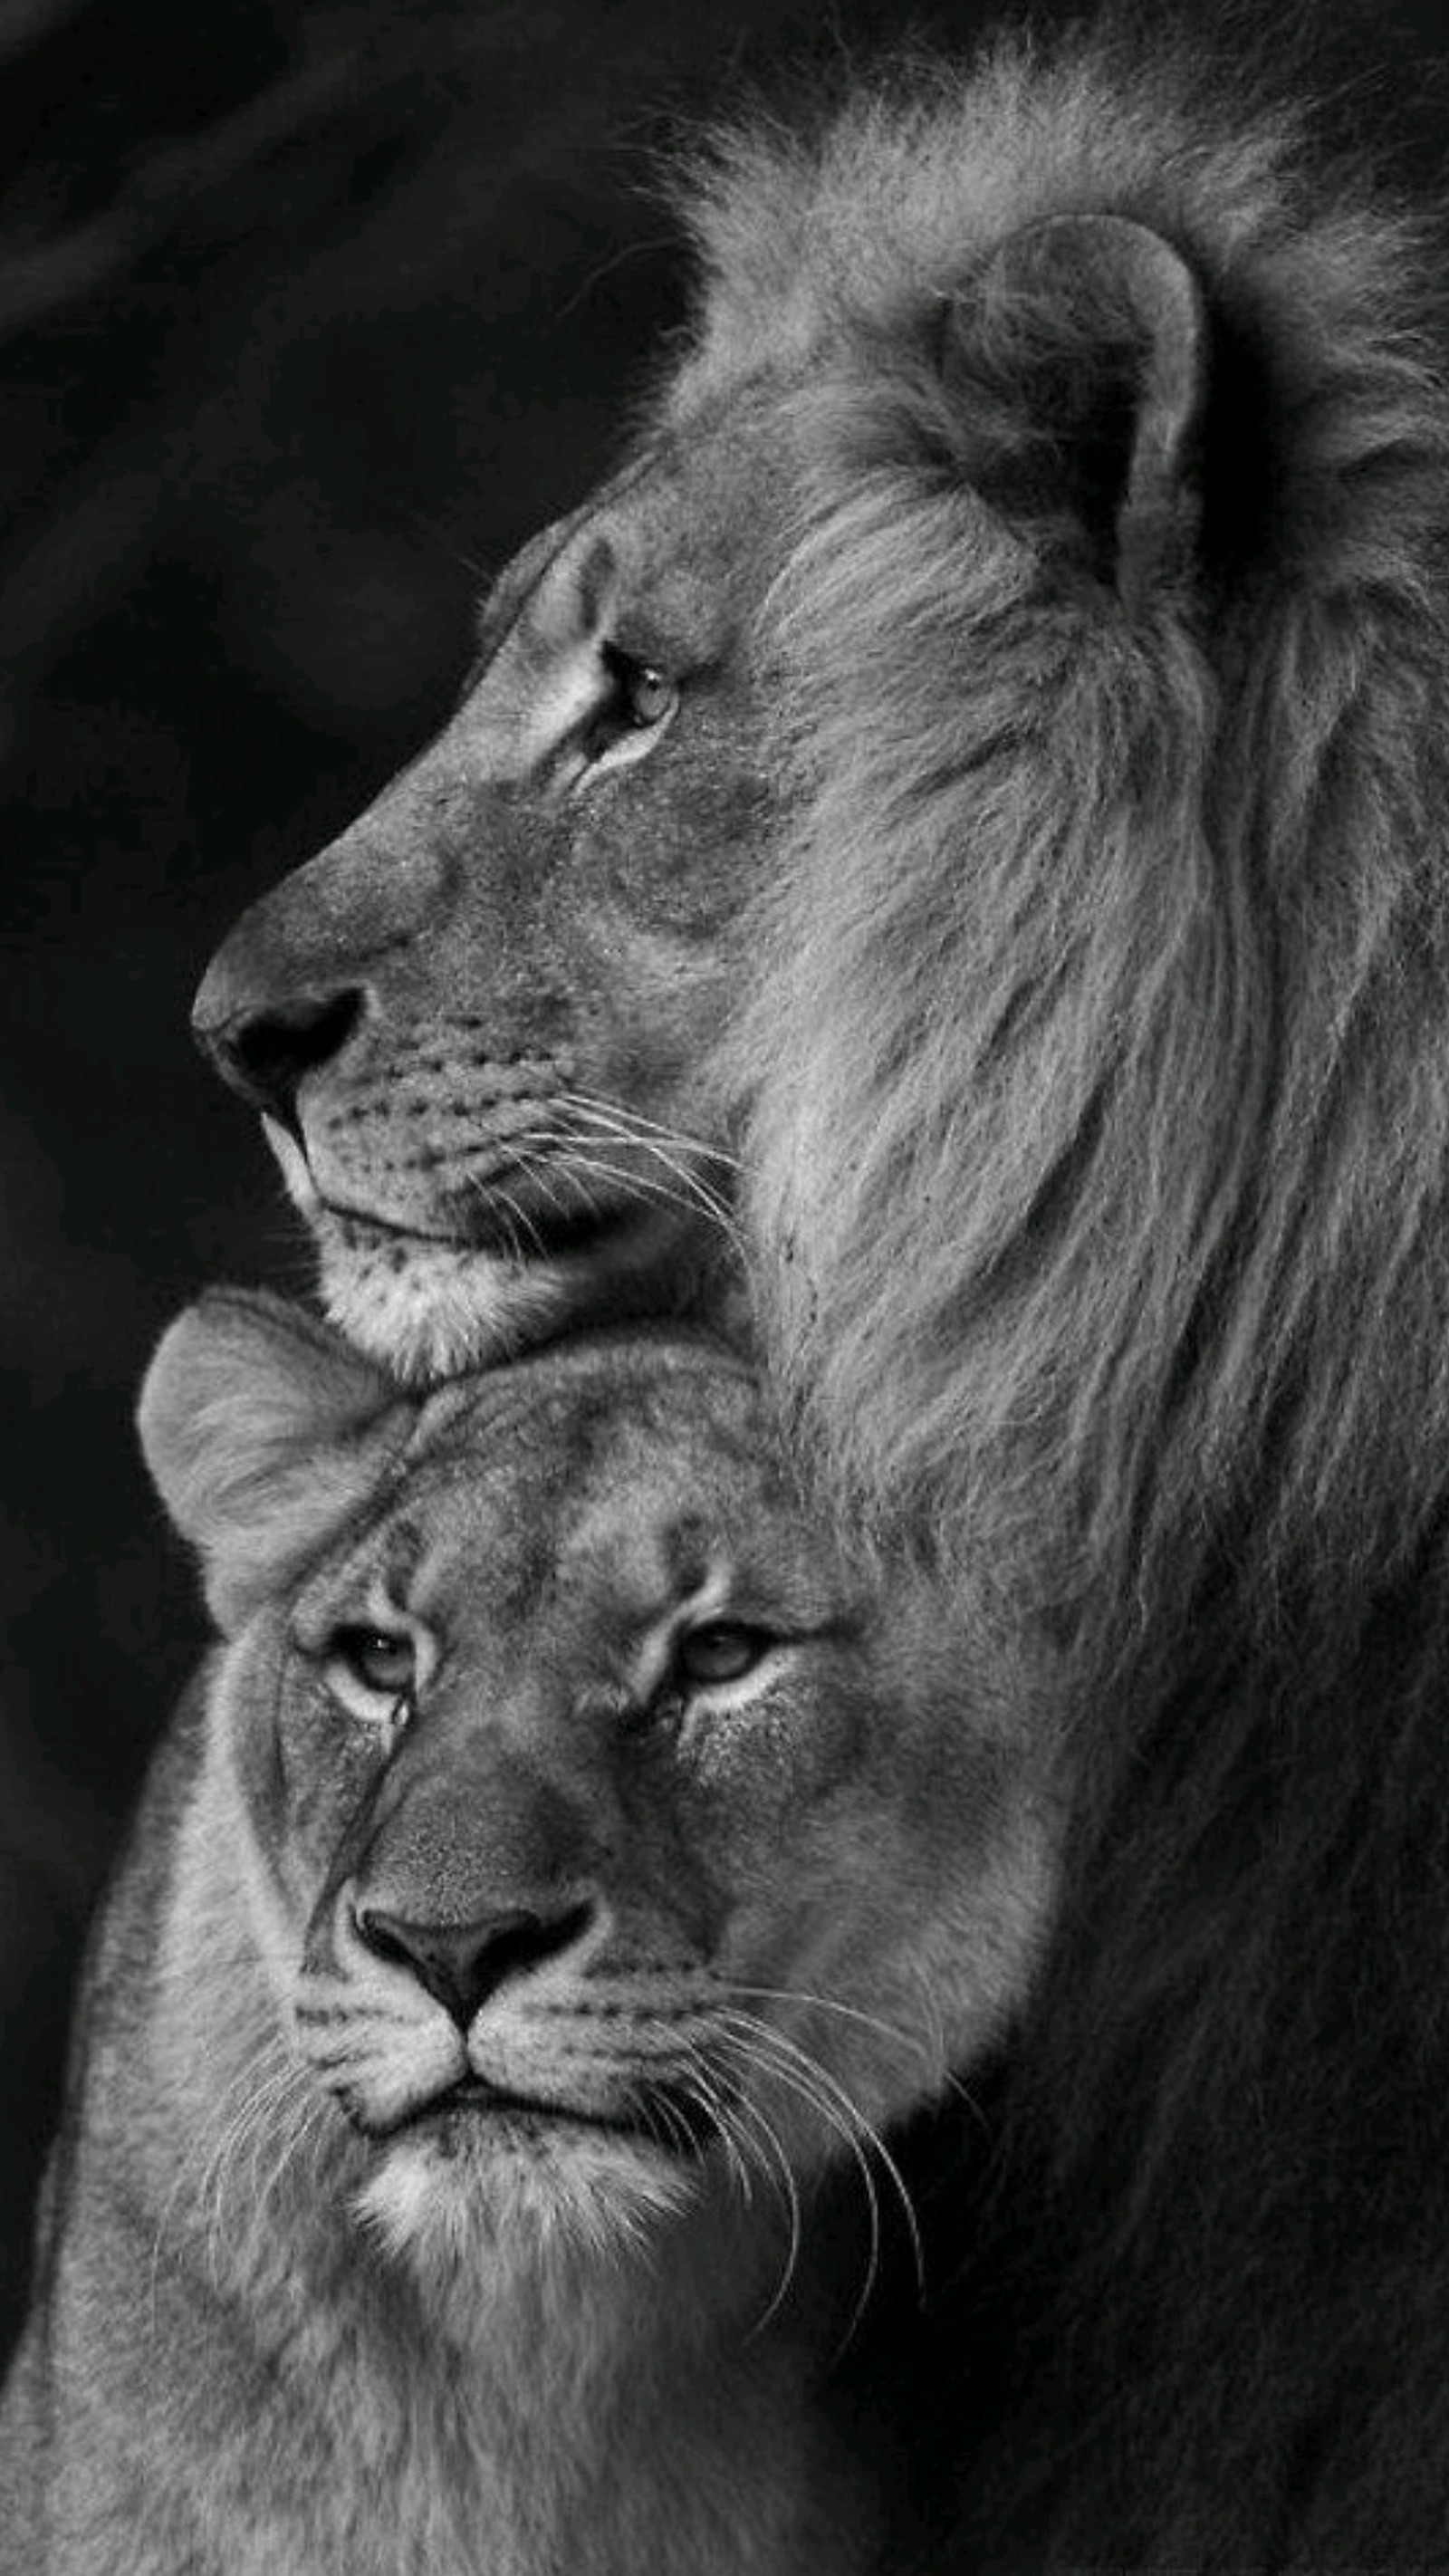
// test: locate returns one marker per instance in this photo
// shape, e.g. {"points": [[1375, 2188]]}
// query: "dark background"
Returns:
{"points": [[308, 315]]}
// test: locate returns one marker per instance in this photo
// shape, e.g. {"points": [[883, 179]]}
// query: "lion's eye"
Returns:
{"points": [[723, 1650], [643, 695], [379, 1662]]}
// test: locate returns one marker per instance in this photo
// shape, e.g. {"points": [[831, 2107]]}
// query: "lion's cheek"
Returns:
{"points": [[684, 865], [651, 911]]}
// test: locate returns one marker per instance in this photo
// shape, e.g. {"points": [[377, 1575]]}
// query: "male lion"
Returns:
{"points": [[482, 2064], [985, 762]]}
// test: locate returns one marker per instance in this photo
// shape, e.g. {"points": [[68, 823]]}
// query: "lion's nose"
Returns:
{"points": [[263, 1054], [462, 1964]]}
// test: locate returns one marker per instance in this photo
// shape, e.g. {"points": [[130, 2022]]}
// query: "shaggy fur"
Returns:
{"points": [[1097, 1097]]}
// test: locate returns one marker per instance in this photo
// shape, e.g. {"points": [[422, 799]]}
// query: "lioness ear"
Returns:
{"points": [[262, 1431], [1079, 361]]}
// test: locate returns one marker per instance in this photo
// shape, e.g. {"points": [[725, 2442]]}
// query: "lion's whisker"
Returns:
{"points": [[640, 1121], [645, 1185], [674, 1152], [675, 1156], [693, 1184], [546, 1155]]}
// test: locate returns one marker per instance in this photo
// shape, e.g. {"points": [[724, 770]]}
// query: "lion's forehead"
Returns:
{"points": [[691, 529]]}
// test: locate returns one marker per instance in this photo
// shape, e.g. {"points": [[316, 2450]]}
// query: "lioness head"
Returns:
{"points": [[603, 1835], [477, 1024]]}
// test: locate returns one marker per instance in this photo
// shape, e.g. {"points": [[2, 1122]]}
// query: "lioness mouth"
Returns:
{"points": [[472, 2098]]}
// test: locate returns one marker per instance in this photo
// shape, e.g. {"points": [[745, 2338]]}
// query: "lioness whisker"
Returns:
{"points": [[245, 2132], [852, 2012], [950, 2080], [294, 2136], [834, 2108], [702, 2088], [194, 2175], [773, 2160], [792, 2059], [830, 2115]]}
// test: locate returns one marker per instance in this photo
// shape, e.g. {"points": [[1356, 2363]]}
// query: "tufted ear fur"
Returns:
{"points": [[1078, 365], [263, 1432]]}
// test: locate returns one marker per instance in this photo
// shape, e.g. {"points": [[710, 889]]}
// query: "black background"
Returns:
{"points": [[309, 315]]}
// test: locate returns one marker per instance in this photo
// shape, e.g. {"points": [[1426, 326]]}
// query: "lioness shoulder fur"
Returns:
{"points": [[551, 1895]]}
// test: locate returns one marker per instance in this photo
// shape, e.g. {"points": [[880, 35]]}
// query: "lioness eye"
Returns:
{"points": [[722, 1651], [643, 694], [377, 1658]]}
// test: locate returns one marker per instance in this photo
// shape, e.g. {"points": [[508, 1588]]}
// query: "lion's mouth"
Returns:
{"points": [[531, 1221], [497, 1230]]}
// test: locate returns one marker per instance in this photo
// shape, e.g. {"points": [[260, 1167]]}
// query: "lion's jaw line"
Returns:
{"points": [[431, 1304]]}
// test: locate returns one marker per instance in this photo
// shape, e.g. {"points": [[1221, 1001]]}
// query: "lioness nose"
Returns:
{"points": [[462, 1964], [263, 1054]]}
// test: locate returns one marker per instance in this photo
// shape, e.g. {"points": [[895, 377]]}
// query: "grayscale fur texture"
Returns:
{"points": [[960, 819]]}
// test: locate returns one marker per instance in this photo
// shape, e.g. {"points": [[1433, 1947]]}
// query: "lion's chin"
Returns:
{"points": [[431, 1303], [427, 1308]]}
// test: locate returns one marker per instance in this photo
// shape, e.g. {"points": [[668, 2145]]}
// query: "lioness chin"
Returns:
{"points": [[564, 1875]]}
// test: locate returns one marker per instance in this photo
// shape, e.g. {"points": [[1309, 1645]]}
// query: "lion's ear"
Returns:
{"points": [[1077, 363], [263, 1431]]}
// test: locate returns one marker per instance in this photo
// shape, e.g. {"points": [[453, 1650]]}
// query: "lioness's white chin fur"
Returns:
{"points": [[452, 2214]]}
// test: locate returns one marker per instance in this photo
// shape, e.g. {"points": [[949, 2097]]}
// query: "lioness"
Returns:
{"points": [[564, 1873]]}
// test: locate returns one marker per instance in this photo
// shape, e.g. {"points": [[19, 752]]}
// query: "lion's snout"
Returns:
{"points": [[263, 1053]]}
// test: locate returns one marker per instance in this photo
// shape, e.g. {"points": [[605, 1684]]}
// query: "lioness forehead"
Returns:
{"points": [[555, 1413], [636, 1472]]}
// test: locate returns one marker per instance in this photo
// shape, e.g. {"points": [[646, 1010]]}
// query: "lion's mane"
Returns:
{"points": [[1096, 1087]]}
